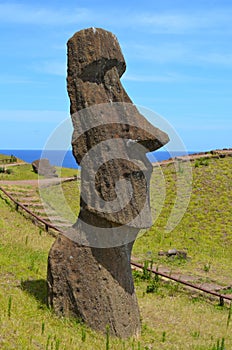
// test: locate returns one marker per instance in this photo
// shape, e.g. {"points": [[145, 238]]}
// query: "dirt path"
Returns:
{"points": [[38, 182], [13, 164], [194, 280], [195, 156]]}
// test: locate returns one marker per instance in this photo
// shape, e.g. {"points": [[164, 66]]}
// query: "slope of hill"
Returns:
{"points": [[172, 317], [205, 231]]}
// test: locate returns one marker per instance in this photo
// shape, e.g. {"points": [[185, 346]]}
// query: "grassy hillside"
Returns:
{"points": [[205, 231], [11, 157], [172, 318], [25, 172]]}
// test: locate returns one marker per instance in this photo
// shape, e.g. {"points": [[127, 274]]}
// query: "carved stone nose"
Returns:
{"points": [[110, 141]]}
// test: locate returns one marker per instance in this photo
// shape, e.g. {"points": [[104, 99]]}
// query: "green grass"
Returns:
{"points": [[20, 172], [64, 198], [25, 172], [27, 323], [5, 156], [172, 318], [25, 320], [67, 172], [205, 231]]}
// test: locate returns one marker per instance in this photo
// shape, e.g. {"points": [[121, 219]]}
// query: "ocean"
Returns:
{"points": [[66, 159]]}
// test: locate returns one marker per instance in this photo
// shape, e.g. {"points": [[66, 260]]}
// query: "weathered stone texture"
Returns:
{"points": [[110, 141], [95, 285], [43, 167], [95, 65]]}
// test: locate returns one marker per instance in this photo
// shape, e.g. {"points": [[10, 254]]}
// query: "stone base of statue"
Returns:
{"points": [[94, 284], [89, 272]]}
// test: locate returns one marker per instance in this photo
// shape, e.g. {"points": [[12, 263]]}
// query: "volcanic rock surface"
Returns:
{"points": [[89, 273], [43, 167]]}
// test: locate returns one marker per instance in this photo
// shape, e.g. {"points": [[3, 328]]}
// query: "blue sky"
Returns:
{"points": [[178, 54]]}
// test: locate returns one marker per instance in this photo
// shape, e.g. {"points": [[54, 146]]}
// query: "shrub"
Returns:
{"points": [[201, 161], [13, 159], [153, 285], [5, 171]]}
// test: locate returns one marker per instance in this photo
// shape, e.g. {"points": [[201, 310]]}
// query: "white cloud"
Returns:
{"points": [[10, 79], [195, 21], [32, 116], [24, 14], [53, 67], [193, 53], [148, 78], [168, 23], [161, 22], [166, 78], [160, 53], [217, 58], [204, 123]]}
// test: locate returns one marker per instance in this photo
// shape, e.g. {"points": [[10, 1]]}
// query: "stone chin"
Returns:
{"points": [[89, 272]]}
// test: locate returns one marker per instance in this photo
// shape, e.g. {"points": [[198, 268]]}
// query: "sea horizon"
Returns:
{"points": [[65, 158]]}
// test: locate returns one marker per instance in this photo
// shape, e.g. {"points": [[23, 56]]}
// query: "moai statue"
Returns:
{"points": [[89, 273]]}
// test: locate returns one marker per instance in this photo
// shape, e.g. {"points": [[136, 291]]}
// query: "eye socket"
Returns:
{"points": [[96, 70], [137, 175]]}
